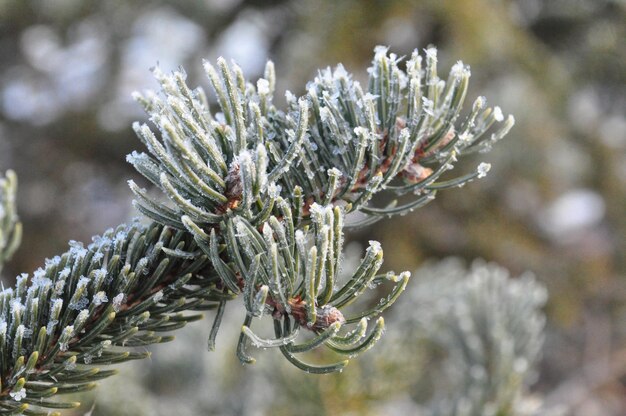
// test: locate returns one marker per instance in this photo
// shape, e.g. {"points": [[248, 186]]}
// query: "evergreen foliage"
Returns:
{"points": [[489, 327], [255, 205]]}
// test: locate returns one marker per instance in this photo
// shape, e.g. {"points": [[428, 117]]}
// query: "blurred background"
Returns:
{"points": [[554, 202]]}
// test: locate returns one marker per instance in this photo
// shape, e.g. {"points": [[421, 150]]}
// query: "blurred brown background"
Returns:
{"points": [[554, 202]]}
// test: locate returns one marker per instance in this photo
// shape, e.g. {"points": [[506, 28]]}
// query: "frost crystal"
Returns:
{"points": [[82, 302], [465, 137], [65, 337], [325, 115], [75, 244], [479, 103], [19, 332], [360, 131], [133, 157], [263, 86], [79, 304], [157, 296], [100, 298], [458, 69], [320, 210], [497, 114], [50, 326], [82, 317], [99, 274], [403, 80], [290, 97], [21, 279], [56, 306], [380, 52], [79, 252], [431, 53], [17, 307], [340, 72], [117, 302], [315, 208], [334, 172], [244, 157], [18, 395], [64, 273], [375, 246], [428, 106], [482, 169], [59, 287], [299, 237], [273, 190], [41, 273]]}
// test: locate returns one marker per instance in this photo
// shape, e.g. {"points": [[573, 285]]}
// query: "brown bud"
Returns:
{"points": [[415, 172]]}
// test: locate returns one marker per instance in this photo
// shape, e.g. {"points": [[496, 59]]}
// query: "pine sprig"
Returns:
{"points": [[255, 200], [87, 307], [399, 136], [300, 283], [336, 144]]}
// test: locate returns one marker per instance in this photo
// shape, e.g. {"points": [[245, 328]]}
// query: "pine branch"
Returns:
{"points": [[255, 200], [85, 308]]}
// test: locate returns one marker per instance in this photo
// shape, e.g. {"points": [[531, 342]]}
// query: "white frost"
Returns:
{"points": [[18, 395], [380, 52], [375, 246], [428, 106], [334, 172], [459, 69], [431, 53], [482, 169], [497, 114], [100, 298], [117, 302]]}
